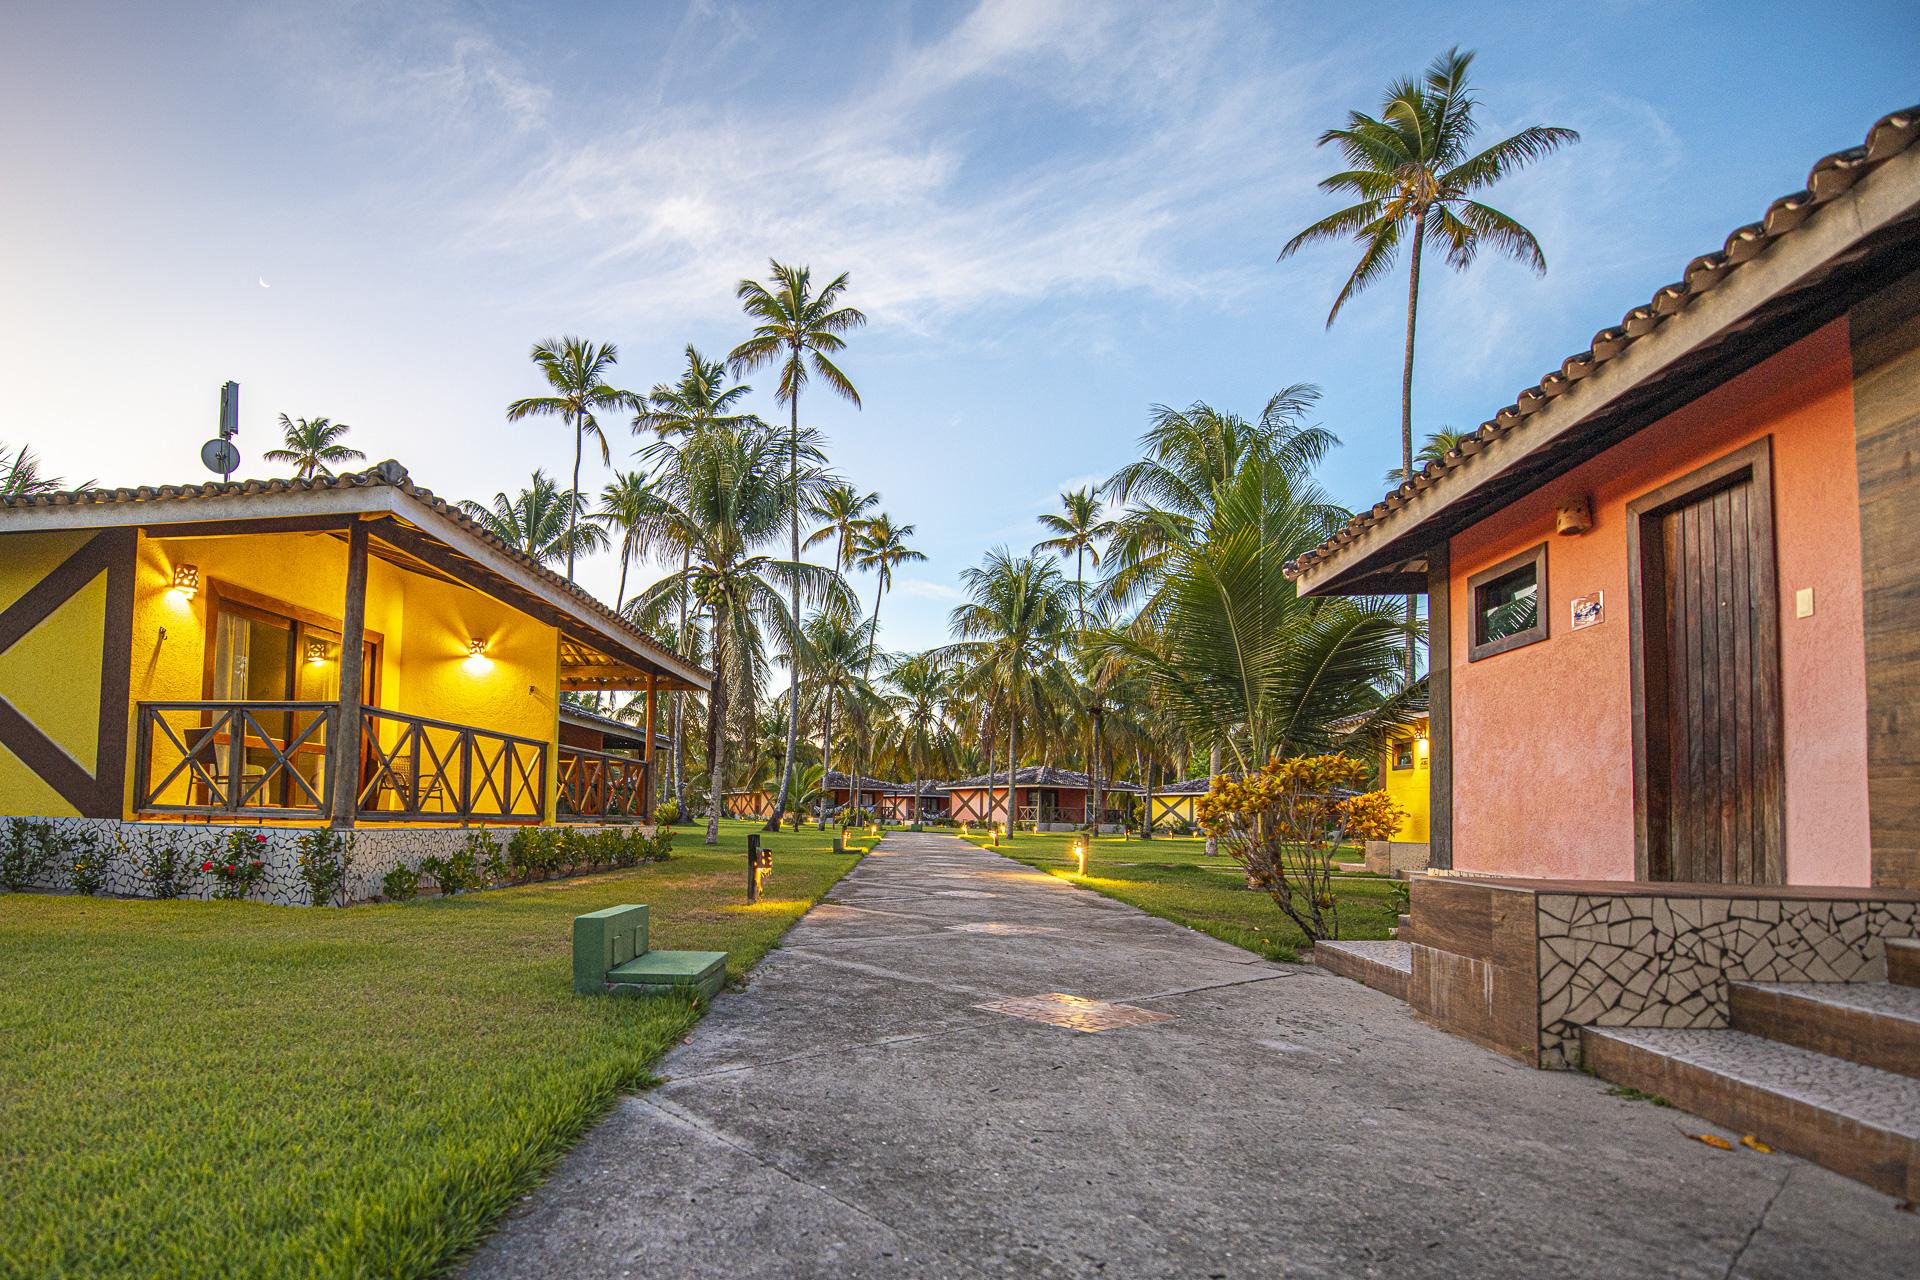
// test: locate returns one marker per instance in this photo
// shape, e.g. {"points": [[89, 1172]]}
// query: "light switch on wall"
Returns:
{"points": [[1803, 603]]}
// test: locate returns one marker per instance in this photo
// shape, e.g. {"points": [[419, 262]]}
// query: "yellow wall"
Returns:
{"points": [[425, 627], [52, 674], [1411, 789], [1178, 811]]}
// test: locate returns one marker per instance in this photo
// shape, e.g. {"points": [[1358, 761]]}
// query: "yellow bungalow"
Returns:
{"points": [[1407, 775], [1173, 804], [346, 650]]}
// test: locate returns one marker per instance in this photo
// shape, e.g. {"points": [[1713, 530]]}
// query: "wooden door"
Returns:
{"points": [[1707, 744]]}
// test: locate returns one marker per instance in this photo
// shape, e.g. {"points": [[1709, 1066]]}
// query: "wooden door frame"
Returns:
{"points": [[1646, 600]]}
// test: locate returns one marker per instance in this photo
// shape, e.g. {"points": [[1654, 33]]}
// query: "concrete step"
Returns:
{"points": [[1903, 962], [1858, 1121], [1873, 1023], [1384, 966]]}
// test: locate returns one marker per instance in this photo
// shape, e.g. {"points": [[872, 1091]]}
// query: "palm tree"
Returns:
{"points": [[1077, 530], [699, 398], [1010, 632], [880, 545], [20, 475], [842, 509], [1415, 179], [798, 329], [918, 736], [1193, 457], [541, 521], [1436, 448], [311, 445], [724, 500], [835, 654], [630, 507], [576, 370]]}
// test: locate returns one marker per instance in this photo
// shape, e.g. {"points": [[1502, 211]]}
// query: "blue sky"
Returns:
{"points": [[1055, 215]]}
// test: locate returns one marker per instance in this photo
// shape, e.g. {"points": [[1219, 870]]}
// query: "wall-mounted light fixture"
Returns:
{"points": [[186, 579], [1573, 517], [316, 652], [476, 648], [476, 662]]}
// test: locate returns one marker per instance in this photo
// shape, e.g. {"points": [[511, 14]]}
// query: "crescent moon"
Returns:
{"points": [[264, 284]]}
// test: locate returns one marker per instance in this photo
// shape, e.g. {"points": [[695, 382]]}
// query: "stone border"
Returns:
{"points": [[376, 851]]}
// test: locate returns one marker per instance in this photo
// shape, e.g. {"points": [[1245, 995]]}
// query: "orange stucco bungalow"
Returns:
{"points": [[1046, 797], [1673, 586]]}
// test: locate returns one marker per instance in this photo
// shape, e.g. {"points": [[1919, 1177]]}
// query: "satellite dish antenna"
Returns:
{"points": [[220, 454]]}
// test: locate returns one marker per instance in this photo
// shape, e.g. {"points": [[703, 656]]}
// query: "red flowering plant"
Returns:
{"points": [[239, 865]]}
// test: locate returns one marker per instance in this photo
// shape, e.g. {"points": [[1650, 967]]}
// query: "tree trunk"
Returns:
{"points": [[1406, 408], [826, 763], [680, 699], [866, 672], [716, 736], [1096, 771], [1146, 774], [793, 658], [1213, 771], [1080, 586], [573, 507], [1013, 759]]}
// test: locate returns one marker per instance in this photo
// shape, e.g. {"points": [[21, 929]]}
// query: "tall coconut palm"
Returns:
{"points": [[1078, 529], [842, 511], [576, 370], [631, 509], [725, 501], [881, 545], [1415, 178], [1018, 615], [797, 329], [697, 399], [918, 736], [313, 446], [836, 651], [542, 520]]}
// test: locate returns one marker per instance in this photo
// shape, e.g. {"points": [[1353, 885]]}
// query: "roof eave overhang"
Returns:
{"points": [[1755, 311], [349, 504]]}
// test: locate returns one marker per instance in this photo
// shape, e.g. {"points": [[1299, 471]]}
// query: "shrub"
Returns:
{"points": [[667, 813], [1283, 825], [400, 884], [87, 863], [324, 859], [237, 868], [1373, 816], [660, 847], [488, 857], [164, 863], [32, 846], [455, 873]]}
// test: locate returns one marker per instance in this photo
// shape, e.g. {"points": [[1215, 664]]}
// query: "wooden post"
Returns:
{"points": [[345, 762]]}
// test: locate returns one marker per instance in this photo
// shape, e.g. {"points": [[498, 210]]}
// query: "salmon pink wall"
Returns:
{"points": [[1543, 735]]}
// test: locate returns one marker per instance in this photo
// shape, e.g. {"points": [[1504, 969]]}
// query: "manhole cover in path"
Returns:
{"points": [[1076, 1013]]}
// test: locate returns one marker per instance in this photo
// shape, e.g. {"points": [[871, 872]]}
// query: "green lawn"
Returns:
{"points": [[196, 1087], [1172, 877]]}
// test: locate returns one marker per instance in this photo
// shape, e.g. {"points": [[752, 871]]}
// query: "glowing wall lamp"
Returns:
{"points": [[186, 580], [476, 662], [316, 652]]}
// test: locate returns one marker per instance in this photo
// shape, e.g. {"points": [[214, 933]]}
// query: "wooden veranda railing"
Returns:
{"points": [[603, 785], [277, 759]]}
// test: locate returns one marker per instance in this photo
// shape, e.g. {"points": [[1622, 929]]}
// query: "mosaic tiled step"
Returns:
{"points": [[1856, 1120], [1873, 1023], [1903, 962], [1384, 966]]}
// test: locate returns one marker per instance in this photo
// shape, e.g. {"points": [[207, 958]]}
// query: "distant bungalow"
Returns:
{"points": [[1053, 799]]}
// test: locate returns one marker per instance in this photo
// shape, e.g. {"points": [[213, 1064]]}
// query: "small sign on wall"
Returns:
{"points": [[1589, 610]]}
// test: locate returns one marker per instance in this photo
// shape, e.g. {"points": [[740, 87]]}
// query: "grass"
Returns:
{"points": [[263, 1090], [1173, 878]]}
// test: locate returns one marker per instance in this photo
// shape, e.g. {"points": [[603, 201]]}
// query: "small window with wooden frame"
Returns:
{"points": [[1508, 604]]}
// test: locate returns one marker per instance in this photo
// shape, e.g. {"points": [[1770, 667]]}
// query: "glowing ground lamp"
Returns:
{"points": [[759, 866], [1080, 852], [186, 580]]}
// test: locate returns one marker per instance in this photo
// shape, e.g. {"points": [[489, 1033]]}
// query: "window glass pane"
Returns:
{"points": [[1508, 605]]}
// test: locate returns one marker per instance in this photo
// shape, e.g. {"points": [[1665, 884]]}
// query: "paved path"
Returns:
{"points": [[854, 1113]]}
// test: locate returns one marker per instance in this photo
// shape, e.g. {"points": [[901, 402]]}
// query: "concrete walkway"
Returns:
{"points": [[855, 1113]]}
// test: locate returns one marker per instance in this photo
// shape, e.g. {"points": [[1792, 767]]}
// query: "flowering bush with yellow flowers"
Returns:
{"points": [[1284, 823]]}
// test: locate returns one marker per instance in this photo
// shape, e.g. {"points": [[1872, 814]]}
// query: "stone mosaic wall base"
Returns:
{"points": [[376, 851], [1391, 857], [1644, 961]]}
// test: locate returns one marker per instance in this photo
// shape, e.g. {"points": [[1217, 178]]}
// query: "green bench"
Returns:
{"points": [[611, 956]]}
